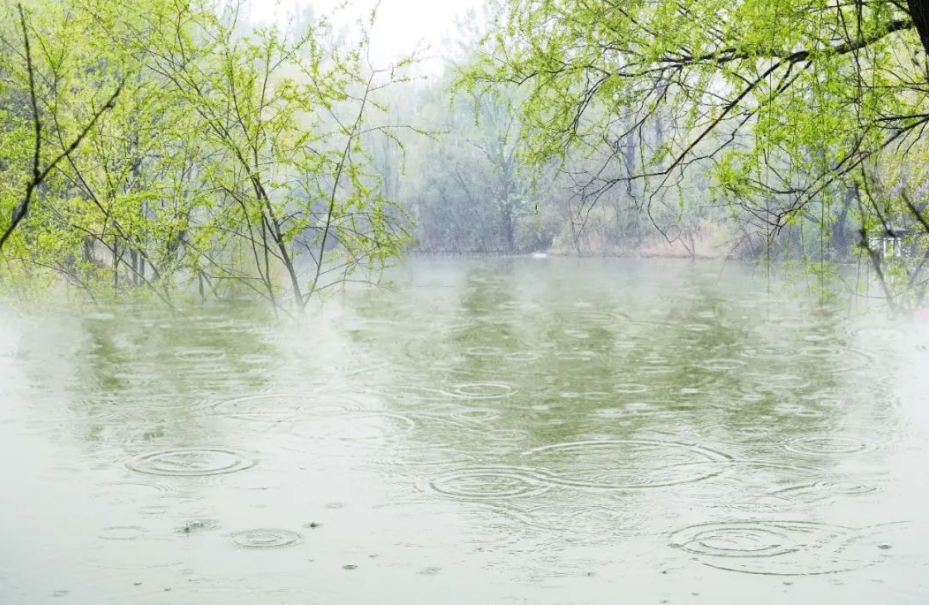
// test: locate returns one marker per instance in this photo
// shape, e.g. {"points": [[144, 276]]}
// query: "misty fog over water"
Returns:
{"points": [[497, 430]]}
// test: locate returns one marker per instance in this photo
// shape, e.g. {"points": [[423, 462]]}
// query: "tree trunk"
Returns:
{"points": [[508, 228], [87, 250], [841, 241], [919, 11], [115, 263], [134, 263]]}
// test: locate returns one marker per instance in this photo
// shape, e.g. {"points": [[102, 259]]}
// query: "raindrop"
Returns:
{"points": [[190, 462], [626, 464], [197, 525], [482, 390], [773, 547], [722, 365], [823, 490], [266, 538], [474, 415], [827, 445], [488, 483]]}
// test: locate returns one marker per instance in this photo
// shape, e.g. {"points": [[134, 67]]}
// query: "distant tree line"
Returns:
{"points": [[174, 149]]}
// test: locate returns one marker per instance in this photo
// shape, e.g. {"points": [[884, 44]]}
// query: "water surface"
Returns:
{"points": [[539, 431]]}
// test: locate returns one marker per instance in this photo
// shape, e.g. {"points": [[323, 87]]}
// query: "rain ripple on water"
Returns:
{"points": [[626, 464], [488, 483], [780, 548], [265, 538], [190, 462]]}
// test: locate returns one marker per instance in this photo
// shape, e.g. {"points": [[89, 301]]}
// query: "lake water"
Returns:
{"points": [[537, 431]]}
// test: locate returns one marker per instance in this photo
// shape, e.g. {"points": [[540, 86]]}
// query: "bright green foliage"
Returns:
{"points": [[232, 158], [785, 104]]}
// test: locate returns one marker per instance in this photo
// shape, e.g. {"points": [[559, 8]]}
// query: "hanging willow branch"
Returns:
{"points": [[39, 174]]}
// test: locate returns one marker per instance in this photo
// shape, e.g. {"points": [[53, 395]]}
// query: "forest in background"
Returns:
{"points": [[172, 149]]}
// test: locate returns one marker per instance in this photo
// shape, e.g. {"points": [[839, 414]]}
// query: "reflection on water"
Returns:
{"points": [[510, 431]]}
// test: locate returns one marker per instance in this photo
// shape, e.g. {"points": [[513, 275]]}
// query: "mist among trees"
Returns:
{"points": [[175, 150]]}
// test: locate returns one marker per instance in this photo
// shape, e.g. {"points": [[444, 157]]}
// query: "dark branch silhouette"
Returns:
{"points": [[39, 174]]}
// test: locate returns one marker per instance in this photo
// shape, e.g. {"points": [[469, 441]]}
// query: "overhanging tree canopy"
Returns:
{"points": [[785, 103]]}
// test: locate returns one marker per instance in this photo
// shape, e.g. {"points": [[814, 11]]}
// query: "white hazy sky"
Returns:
{"points": [[401, 27]]}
